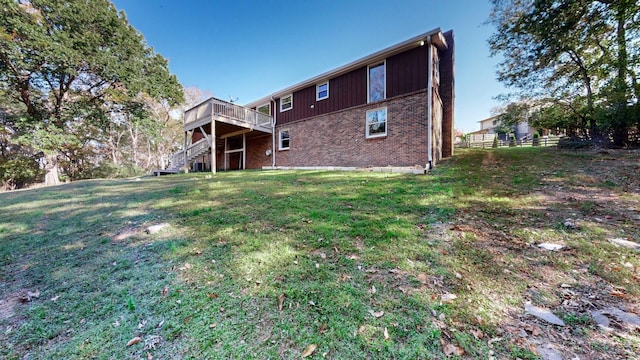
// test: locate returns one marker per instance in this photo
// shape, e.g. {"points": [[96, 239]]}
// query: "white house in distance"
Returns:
{"points": [[489, 125]]}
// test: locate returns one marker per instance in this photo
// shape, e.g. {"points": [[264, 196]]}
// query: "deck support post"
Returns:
{"points": [[184, 150], [244, 151], [213, 146]]}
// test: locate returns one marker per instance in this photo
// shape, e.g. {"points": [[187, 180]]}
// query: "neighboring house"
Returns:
{"points": [[391, 108], [489, 125]]}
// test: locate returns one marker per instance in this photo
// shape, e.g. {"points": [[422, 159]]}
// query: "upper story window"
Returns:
{"points": [[376, 83], [376, 124], [322, 91], [283, 143], [286, 103], [264, 109]]}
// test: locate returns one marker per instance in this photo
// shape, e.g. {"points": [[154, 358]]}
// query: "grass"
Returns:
{"points": [[261, 264]]}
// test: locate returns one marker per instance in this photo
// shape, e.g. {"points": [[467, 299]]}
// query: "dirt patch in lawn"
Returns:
{"points": [[7, 305]]}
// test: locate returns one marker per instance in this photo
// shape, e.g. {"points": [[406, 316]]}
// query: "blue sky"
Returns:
{"points": [[249, 49]]}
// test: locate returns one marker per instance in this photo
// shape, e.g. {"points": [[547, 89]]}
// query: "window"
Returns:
{"points": [[286, 103], [322, 91], [377, 123], [264, 109], [376, 83], [284, 140]]}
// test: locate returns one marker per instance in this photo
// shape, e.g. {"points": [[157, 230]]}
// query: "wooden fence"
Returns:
{"points": [[486, 141]]}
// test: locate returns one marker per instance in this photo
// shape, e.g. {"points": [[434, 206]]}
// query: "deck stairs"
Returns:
{"points": [[214, 110]]}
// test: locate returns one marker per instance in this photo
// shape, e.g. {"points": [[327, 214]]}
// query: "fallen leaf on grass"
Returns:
{"points": [[164, 291], [619, 294], [309, 350], [323, 327], [422, 277], [134, 341], [386, 334], [149, 356], [187, 319], [280, 301], [491, 341], [543, 314], [55, 298], [372, 290], [451, 349], [376, 314], [448, 297], [212, 296], [476, 334]]}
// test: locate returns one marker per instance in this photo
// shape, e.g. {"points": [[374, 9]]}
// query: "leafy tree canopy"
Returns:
{"points": [[580, 55], [70, 63]]}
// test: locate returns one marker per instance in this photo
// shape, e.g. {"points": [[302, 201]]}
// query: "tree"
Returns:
{"points": [[69, 62], [581, 53]]}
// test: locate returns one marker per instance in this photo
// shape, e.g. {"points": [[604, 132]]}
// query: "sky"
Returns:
{"points": [[245, 50]]}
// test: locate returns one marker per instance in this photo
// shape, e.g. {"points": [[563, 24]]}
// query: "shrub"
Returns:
{"points": [[536, 139], [109, 170], [18, 172], [574, 143]]}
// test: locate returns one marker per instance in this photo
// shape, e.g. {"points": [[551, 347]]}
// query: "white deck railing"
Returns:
{"points": [[224, 109], [176, 160], [196, 148]]}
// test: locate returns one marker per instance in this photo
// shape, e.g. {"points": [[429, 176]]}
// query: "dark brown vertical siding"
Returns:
{"points": [[407, 72], [447, 93], [345, 91]]}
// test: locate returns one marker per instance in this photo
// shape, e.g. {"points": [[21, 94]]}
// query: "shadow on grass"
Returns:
{"points": [[264, 263]]}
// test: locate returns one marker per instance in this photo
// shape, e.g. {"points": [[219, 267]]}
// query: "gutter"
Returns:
{"points": [[273, 134]]}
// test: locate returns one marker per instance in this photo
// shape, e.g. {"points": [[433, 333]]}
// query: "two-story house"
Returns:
{"points": [[392, 108]]}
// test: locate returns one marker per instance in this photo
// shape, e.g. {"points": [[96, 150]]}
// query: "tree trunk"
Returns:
{"points": [[134, 144], [51, 170], [621, 123]]}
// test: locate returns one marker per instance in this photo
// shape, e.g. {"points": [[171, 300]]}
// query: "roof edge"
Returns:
{"points": [[415, 41]]}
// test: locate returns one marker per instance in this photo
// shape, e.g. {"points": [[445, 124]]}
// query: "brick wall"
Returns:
{"points": [[338, 138], [256, 148]]}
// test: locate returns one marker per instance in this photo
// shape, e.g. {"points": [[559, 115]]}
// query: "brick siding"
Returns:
{"points": [[338, 138], [256, 152]]}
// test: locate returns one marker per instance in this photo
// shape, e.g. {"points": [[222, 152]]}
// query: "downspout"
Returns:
{"points": [[273, 135], [429, 105]]}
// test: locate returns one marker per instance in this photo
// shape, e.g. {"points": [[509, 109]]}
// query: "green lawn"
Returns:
{"points": [[263, 264]]}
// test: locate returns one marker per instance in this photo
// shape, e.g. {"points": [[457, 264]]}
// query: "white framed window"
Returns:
{"points": [[376, 82], [286, 103], [283, 139], [322, 91], [264, 109], [376, 123]]}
